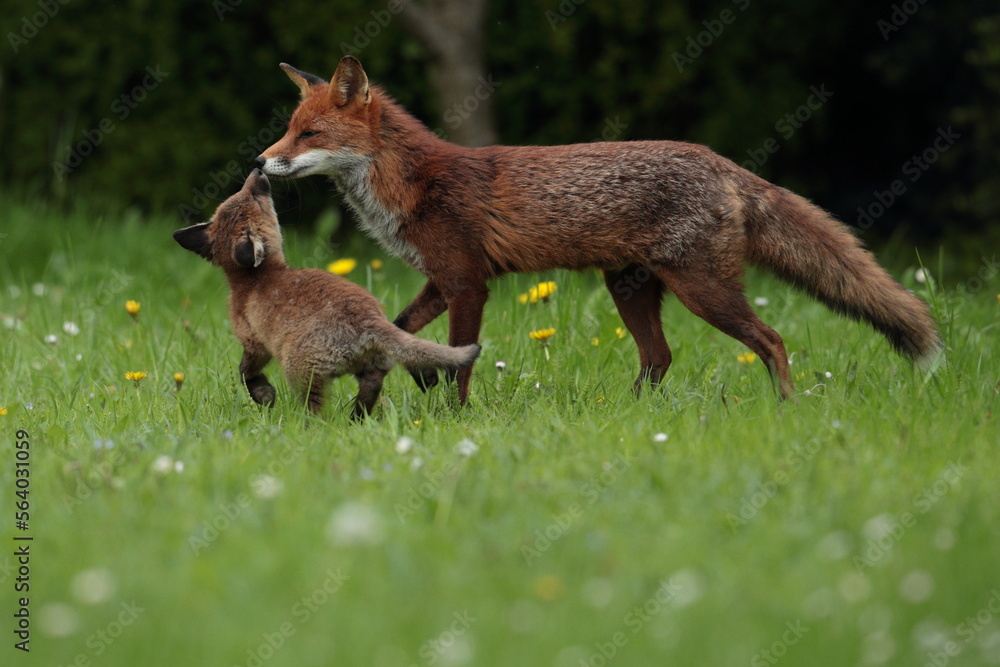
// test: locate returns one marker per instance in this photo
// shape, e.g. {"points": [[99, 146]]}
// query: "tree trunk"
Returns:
{"points": [[453, 33]]}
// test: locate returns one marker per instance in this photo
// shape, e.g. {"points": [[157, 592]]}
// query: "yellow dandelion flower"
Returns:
{"points": [[136, 376], [523, 298], [620, 332], [533, 295], [542, 335], [549, 587], [545, 290], [3, 411], [342, 266], [747, 358], [595, 341], [179, 379], [376, 264], [416, 422], [132, 307]]}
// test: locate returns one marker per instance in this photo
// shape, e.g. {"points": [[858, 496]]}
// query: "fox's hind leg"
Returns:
{"points": [[310, 386], [369, 388], [719, 300], [638, 294]]}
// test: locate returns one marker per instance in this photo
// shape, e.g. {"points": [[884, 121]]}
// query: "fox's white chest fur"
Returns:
{"points": [[351, 172], [376, 219]]}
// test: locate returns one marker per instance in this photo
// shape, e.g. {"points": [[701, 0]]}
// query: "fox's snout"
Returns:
{"points": [[257, 182]]}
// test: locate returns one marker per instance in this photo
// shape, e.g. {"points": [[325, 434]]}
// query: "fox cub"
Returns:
{"points": [[318, 325]]}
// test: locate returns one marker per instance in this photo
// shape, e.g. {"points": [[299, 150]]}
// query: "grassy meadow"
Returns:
{"points": [[555, 520]]}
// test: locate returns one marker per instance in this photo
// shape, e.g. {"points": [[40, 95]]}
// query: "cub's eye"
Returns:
{"points": [[307, 134]]}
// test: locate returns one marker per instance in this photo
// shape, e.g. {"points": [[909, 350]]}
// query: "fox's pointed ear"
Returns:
{"points": [[349, 83], [249, 251], [304, 80], [195, 238]]}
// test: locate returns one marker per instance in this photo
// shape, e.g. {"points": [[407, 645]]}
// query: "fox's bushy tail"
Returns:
{"points": [[419, 354], [805, 246]]}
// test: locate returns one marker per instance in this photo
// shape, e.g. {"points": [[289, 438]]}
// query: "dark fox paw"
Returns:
{"points": [[425, 379], [263, 395]]}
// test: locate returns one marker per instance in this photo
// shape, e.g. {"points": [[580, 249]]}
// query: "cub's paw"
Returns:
{"points": [[263, 395], [425, 379]]}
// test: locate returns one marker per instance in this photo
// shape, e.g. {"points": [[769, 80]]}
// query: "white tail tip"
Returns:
{"points": [[932, 360]]}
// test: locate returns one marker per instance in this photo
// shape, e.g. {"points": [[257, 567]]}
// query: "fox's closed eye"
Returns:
{"points": [[307, 134]]}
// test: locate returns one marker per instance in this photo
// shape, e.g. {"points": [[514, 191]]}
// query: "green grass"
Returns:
{"points": [[864, 514]]}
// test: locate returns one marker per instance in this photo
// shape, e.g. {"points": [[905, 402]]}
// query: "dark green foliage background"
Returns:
{"points": [[601, 62]]}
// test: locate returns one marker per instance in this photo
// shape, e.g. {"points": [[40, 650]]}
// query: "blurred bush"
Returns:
{"points": [[170, 101]]}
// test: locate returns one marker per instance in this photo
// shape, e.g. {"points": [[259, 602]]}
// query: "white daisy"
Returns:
{"points": [[467, 447], [404, 444]]}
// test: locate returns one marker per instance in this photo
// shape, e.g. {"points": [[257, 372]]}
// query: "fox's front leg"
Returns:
{"points": [[255, 357], [465, 304], [426, 307]]}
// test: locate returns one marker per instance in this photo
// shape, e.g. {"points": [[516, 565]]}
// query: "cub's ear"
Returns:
{"points": [[304, 80], [249, 251], [195, 238], [349, 83]]}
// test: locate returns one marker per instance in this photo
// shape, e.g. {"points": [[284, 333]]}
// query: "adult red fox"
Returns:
{"points": [[652, 215], [318, 325]]}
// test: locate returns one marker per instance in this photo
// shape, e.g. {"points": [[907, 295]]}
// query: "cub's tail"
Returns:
{"points": [[808, 248], [418, 354]]}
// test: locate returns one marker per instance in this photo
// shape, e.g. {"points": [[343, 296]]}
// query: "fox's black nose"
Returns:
{"points": [[260, 160]]}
